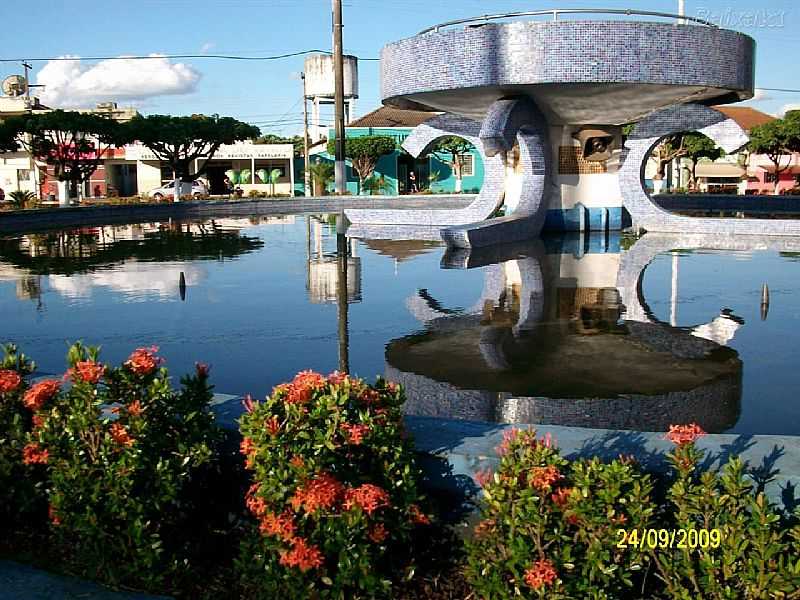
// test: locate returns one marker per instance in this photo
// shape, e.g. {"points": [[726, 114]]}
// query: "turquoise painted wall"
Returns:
{"points": [[387, 165]]}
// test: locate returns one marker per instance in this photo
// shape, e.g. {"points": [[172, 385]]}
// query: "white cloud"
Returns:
{"points": [[787, 107], [71, 83], [135, 281], [207, 46], [760, 94]]}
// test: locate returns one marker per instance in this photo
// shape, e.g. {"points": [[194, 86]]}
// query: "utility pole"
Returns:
{"points": [[307, 176], [338, 68], [682, 11], [26, 67]]}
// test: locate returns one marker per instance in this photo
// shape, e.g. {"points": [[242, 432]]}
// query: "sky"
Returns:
{"points": [[268, 93]]}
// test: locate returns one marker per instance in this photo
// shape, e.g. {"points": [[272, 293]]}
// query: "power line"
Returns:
{"points": [[174, 56], [779, 90]]}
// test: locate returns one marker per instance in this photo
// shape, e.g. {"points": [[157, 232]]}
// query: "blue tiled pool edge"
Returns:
{"points": [[453, 451]]}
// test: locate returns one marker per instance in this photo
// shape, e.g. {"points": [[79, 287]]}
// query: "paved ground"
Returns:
{"points": [[23, 582]]}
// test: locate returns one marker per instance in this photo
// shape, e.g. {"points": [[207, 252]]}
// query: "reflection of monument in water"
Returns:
{"points": [[551, 340]]}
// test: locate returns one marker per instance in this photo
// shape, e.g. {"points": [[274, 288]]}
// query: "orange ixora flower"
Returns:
{"points": [[484, 527], [53, 515], [543, 478], [87, 371], [144, 361], [483, 477], [248, 448], [321, 492], [135, 408], [354, 434], [338, 378], [561, 497], [255, 503], [120, 435], [303, 555], [303, 386], [297, 461], [39, 393], [38, 420], [9, 381], [280, 526], [368, 496], [273, 425], [684, 434], [34, 454], [378, 533], [417, 516], [541, 574], [370, 396], [509, 437]]}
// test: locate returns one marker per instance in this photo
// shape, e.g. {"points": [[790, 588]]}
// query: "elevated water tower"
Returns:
{"points": [[320, 88]]}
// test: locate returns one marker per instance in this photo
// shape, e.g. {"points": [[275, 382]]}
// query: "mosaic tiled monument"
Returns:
{"points": [[545, 101]]}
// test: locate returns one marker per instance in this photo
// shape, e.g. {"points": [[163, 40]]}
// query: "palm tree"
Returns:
{"points": [[322, 173]]}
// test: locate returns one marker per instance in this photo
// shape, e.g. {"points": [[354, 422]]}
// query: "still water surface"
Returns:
{"points": [[538, 333]]}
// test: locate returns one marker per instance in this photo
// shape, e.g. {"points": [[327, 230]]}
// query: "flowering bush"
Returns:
{"points": [[548, 524], [759, 551], [119, 447], [551, 527], [334, 488], [18, 479]]}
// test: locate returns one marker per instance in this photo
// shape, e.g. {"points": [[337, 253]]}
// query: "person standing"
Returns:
{"points": [[413, 180]]}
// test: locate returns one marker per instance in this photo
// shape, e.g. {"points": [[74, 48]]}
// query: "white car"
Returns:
{"points": [[196, 189]]}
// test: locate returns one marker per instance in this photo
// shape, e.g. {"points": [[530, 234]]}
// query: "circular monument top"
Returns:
{"points": [[578, 72]]}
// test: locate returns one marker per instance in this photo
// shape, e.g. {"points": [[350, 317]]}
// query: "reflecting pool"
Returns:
{"points": [[591, 331]]}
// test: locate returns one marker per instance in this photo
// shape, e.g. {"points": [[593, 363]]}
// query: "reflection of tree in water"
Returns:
{"points": [[80, 251]]}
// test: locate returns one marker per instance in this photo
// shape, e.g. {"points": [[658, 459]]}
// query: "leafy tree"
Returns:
{"points": [[322, 174], [295, 140], [364, 153], [179, 141], [451, 150], [777, 140], [8, 137], [73, 143], [670, 148], [699, 146]]}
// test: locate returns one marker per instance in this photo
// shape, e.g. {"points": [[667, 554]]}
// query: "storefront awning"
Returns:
{"points": [[719, 170]]}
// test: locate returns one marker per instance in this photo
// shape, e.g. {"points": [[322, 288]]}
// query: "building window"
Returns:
{"points": [[770, 177], [467, 165], [167, 174], [23, 174]]}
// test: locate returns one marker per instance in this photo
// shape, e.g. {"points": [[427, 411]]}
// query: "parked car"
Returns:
{"points": [[195, 188]]}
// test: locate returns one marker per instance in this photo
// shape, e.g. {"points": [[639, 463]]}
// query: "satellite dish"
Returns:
{"points": [[15, 85]]}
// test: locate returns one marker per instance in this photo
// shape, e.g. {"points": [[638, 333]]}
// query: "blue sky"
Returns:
{"points": [[265, 93]]}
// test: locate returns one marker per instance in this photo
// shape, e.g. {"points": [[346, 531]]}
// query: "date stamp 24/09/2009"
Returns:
{"points": [[689, 539]]}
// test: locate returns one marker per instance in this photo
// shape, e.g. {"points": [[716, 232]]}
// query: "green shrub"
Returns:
{"points": [[758, 554], [21, 199], [20, 483], [334, 489], [548, 524], [120, 448]]}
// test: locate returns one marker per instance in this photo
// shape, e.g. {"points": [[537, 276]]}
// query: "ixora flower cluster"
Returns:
{"points": [[334, 487], [548, 523], [112, 449], [551, 528]]}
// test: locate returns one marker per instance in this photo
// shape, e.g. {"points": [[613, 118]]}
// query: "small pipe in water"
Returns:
{"points": [[764, 301], [182, 286]]}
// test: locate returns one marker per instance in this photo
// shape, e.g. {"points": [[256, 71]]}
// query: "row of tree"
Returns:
{"points": [[76, 143], [365, 151], [778, 140]]}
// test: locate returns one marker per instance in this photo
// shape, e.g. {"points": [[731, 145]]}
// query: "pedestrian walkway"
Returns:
{"points": [[23, 582]]}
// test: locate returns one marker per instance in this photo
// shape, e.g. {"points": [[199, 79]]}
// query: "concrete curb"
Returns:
{"points": [[88, 216]]}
